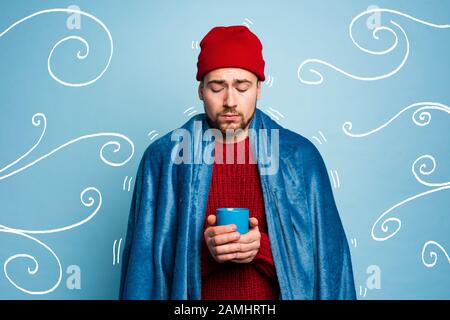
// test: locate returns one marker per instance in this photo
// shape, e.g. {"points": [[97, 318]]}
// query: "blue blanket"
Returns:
{"points": [[161, 257]]}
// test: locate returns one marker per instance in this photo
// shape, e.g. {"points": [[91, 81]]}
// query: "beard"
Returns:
{"points": [[223, 124]]}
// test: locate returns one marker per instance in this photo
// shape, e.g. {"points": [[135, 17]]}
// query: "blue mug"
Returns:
{"points": [[237, 216]]}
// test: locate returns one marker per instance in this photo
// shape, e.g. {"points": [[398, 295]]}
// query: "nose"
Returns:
{"points": [[229, 99]]}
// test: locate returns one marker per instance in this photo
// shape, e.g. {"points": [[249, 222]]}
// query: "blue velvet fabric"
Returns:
{"points": [[161, 257]]}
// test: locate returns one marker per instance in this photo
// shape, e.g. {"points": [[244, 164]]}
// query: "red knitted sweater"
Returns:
{"points": [[238, 185]]}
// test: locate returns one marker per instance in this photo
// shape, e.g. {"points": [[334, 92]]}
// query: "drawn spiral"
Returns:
{"points": [[87, 200], [433, 255], [375, 35], [426, 165], [79, 55], [421, 117], [31, 271], [36, 120], [426, 170]]}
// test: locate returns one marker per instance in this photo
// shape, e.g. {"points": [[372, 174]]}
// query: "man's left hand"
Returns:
{"points": [[249, 243]]}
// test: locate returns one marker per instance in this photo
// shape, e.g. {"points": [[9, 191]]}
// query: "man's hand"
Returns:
{"points": [[225, 244]]}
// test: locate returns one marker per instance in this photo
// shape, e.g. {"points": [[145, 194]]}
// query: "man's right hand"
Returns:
{"points": [[220, 240]]}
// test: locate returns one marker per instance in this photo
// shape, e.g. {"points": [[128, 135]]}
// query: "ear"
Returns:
{"points": [[200, 90], [258, 90]]}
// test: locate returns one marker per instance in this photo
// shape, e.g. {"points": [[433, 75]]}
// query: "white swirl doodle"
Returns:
{"points": [[82, 40], [372, 52], [433, 254], [39, 119], [397, 221], [86, 204], [36, 264], [424, 117], [37, 123], [423, 171], [26, 234]]}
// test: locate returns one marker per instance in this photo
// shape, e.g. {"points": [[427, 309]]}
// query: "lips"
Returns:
{"points": [[230, 116]]}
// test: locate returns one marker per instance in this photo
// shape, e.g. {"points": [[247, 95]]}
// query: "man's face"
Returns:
{"points": [[229, 96]]}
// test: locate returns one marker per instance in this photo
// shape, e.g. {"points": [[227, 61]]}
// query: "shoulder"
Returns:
{"points": [[156, 150], [301, 157], [161, 149], [291, 144]]}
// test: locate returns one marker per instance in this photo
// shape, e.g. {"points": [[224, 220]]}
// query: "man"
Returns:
{"points": [[296, 246]]}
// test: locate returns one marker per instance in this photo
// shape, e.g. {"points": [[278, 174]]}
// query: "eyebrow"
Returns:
{"points": [[221, 81]]}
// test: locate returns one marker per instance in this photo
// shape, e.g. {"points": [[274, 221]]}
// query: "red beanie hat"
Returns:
{"points": [[233, 47]]}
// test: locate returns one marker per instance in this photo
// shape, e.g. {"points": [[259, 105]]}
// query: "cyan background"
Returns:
{"points": [[151, 82]]}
